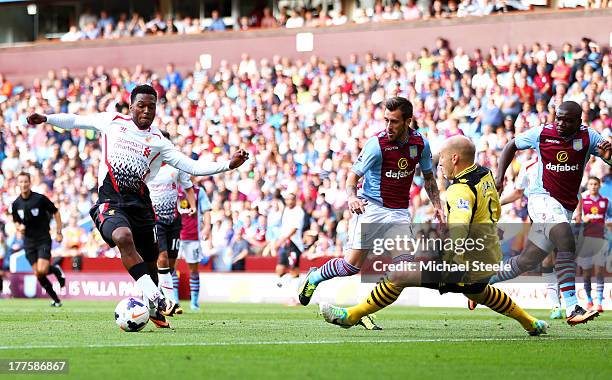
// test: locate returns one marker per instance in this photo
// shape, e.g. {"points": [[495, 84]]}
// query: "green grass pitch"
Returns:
{"points": [[275, 341]]}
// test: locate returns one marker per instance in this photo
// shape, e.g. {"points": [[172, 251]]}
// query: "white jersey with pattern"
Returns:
{"points": [[131, 156], [164, 192]]}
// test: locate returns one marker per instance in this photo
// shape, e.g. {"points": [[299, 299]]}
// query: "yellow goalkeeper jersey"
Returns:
{"points": [[473, 210]]}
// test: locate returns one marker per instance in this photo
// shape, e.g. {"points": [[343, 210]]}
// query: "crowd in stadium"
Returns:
{"points": [[304, 123], [104, 25]]}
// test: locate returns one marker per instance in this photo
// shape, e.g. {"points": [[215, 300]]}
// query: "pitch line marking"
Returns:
{"points": [[299, 342]]}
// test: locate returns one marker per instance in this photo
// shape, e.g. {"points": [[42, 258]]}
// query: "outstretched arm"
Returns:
{"points": [[70, 121], [174, 158]]}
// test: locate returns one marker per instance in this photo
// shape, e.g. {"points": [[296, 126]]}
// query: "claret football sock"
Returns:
{"points": [[333, 268]]}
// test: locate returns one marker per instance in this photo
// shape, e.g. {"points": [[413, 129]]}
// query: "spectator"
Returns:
{"points": [[411, 11], [295, 21], [216, 23], [173, 78], [87, 17], [104, 21], [339, 18], [239, 249], [267, 20], [137, 26], [243, 23], [6, 87], [121, 30], [157, 24], [72, 35]]}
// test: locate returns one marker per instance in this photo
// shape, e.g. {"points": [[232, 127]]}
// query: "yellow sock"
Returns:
{"points": [[383, 295], [500, 302]]}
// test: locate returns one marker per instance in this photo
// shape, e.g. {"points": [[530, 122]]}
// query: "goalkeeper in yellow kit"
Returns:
{"points": [[473, 211]]}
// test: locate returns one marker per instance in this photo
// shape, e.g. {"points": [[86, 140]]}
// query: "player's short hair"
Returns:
{"points": [[399, 103], [25, 174], [142, 89], [165, 134], [591, 178]]}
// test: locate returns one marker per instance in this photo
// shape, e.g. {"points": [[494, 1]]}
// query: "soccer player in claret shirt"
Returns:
{"points": [[164, 188], [133, 151], [563, 148], [196, 229], [387, 163], [592, 251], [473, 211], [32, 214], [528, 174]]}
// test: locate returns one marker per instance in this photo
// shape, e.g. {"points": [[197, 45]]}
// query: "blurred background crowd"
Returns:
{"points": [[304, 123], [104, 25]]}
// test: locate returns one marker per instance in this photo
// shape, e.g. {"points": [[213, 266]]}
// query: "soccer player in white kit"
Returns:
{"points": [[133, 151]]}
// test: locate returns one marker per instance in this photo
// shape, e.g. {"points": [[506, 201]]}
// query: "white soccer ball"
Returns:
{"points": [[131, 314]]}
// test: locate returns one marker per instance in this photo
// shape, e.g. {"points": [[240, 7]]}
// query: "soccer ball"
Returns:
{"points": [[131, 315]]}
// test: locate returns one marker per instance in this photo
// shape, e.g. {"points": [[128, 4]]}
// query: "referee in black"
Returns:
{"points": [[32, 215]]}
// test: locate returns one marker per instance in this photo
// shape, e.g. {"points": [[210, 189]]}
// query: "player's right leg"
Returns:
{"points": [[336, 267], [562, 236], [116, 230], [352, 261]]}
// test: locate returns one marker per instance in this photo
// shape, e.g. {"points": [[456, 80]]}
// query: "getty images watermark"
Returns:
{"points": [[472, 252]]}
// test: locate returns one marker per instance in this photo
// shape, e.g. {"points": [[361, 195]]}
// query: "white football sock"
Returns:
{"points": [[148, 288], [552, 289], [166, 285]]}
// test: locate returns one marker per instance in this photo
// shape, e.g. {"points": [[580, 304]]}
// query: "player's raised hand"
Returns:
{"points": [[238, 158], [356, 205], [604, 149], [36, 118]]}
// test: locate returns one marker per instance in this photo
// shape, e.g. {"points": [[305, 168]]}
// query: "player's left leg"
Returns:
{"points": [[146, 243], [384, 294], [376, 220], [500, 302], [41, 269]]}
